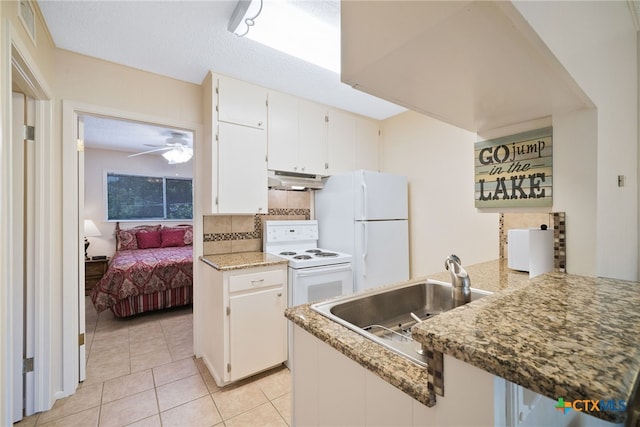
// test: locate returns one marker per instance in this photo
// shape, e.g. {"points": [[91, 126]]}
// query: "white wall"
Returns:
{"points": [[97, 163], [597, 43], [438, 160]]}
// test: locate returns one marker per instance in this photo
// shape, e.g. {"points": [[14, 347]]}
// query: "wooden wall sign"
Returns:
{"points": [[515, 170]]}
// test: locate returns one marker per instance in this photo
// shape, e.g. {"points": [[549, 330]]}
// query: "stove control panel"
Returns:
{"points": [[291, 231]]}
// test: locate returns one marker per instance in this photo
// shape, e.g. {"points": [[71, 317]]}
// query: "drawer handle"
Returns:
{"points": [[259, 282]]}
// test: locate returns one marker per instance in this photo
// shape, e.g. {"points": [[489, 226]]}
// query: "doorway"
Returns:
{"points": [[74, 116], [122, 164], [26, 234]]}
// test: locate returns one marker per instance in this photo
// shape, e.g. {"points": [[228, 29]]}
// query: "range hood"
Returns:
{"points": [[280, 180]]}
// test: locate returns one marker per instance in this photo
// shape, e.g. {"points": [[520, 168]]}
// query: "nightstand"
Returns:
{"points": [[94, 269]]}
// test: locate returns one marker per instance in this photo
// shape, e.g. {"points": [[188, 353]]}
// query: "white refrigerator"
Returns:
{"points": [[365, 214]]}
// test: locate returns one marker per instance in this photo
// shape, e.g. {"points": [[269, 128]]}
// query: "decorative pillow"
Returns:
{"points": [[172, 238], [188, 235], [188, 232], [126, 239], [149, 239]]}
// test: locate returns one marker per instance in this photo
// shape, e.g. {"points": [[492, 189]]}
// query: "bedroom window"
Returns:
{"points": [[139, 197]]}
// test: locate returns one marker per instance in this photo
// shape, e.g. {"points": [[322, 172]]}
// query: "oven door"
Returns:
{"points": [[319, 283]]}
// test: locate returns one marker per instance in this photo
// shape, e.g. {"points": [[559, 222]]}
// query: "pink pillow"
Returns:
{"points": [[149, 239], [126, 238], [172, 238], [188, 232]]}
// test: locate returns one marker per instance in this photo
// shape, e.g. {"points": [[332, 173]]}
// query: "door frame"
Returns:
{"points": [[17, 67], [72, 213]]}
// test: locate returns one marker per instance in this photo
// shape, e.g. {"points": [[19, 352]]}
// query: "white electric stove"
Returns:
{"points": [[314, 273]]}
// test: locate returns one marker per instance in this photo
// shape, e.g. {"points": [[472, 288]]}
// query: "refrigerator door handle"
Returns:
{"points": [[364, 249], [363, 212]]}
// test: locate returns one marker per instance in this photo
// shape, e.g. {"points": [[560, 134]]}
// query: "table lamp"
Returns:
{"points": [[90, 230]]}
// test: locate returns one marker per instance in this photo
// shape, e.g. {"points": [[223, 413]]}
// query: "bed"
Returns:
{"points": [[152, 269]]}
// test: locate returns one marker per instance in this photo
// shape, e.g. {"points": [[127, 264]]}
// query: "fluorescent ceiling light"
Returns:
{"points": [[243, 17], [284, 27]]}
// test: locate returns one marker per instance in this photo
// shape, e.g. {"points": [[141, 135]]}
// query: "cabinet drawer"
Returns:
{"points": [[263, 279], [94, 269]]}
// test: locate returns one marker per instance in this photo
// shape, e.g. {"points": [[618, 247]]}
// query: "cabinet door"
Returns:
{"points": [[283, 132], [367, 145], [312, 153], [241, 103], [242, 169], [257, 332], [341, 142]]}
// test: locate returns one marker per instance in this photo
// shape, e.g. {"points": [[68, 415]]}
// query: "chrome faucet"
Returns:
{"points": [[460, 282]]}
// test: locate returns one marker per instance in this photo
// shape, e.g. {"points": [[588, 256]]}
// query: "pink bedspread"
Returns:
{"points": [[138, 272]]}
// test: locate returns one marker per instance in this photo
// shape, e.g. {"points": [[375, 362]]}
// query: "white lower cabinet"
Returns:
{"points": [[329, 389], [245, 331], [257, 338]]}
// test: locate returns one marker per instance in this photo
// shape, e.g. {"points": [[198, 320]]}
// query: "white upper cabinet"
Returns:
{"points": [[283, 132], [242, 169], [312, 152], [297, 135], [341, 142], [311, 138], [241, 103], [368, 144]]}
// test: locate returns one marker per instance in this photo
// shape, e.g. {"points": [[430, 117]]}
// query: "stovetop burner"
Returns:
{"points": [[297, 241], [326, 254]]}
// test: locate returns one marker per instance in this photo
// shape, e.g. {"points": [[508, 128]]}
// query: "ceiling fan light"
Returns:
{"points": [[178, 155]]}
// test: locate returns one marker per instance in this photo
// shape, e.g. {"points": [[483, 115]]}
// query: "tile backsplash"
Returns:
{"points": [[243, 233]]}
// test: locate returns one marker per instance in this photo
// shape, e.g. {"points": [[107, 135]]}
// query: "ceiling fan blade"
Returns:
{"points": [[153, 145], [150, 151]]}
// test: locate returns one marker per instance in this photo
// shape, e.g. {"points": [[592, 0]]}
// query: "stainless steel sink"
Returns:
{"points": [[386, 315]]}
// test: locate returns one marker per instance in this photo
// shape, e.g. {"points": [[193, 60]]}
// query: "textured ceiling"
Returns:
{"points": [[186, 39], [123, 135]]}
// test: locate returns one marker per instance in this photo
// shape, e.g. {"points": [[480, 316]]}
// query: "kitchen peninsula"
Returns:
{"points": [[558, 335]]}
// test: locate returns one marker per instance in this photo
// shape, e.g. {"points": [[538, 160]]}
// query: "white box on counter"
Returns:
{"points": [[531, 250]]}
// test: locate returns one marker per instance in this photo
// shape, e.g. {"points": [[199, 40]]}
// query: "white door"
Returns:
{"points": [[257, 331], [312, 152], [242, 169], [381, 196], [341, 142], [382, 253], [82, 361], [23, 249], [283, 132], [242, 103]]}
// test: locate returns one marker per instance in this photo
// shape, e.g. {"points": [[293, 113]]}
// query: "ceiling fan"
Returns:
{"points": [[176, 149]]}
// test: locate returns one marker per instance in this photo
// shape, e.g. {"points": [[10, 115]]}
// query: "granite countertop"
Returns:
{"points": [[240, 260], [559, 335]]}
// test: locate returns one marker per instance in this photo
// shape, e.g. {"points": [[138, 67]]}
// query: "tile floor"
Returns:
{"points": [[141, 372]]}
